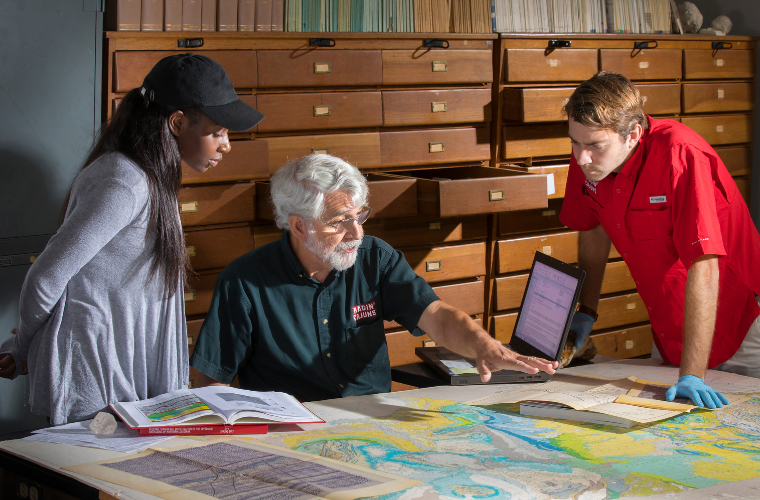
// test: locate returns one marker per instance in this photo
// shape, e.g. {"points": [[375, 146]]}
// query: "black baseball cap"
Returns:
{"points": [[186, 81]]}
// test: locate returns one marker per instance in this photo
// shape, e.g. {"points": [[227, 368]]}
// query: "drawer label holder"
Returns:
{"points": [[435, 147], [186, 207], [320, 151], [191, 252], [190, 296], [440, 66], [322, 110], [432, 265], [496, 195], [322, 67], [439, 107]]}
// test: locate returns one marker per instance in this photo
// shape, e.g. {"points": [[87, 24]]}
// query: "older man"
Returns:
{"points": [[304, 315]]}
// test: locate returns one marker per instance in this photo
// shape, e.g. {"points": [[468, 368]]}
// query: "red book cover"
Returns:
{"points": [[191, 15], [263, 15], [173, 15], [152, 15], [208, 15], [278, 15], [123, 15], [246, 13], [212, 429], [226, 15]]}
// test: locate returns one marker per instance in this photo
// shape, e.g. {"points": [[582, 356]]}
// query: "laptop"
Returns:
{"points": [[541, 329]]}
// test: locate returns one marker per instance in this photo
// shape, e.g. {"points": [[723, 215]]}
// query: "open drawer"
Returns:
{"points": [[452, 192], [388, 197]]}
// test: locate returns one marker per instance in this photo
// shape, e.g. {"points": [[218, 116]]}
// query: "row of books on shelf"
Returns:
{"points": [[396, 16]]}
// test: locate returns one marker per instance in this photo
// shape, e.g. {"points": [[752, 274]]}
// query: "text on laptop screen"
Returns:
{"points": [[546, 308]]}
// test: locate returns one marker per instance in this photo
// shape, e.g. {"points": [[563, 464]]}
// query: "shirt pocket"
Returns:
{"points": [[366, 349], [650, 224]]}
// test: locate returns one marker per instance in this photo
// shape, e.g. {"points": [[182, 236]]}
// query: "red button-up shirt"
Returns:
{"points": [[671, 203]]}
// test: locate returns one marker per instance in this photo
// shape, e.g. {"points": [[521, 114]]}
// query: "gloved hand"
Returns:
{"points": [[695, 389], [581, 327]]}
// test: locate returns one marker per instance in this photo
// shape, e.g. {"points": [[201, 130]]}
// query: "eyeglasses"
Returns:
{"points": [[346, 224]]}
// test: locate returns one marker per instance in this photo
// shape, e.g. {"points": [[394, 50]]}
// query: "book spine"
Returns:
{"points": [[226, 15], [190, 430], [191, 15], [208, 15], [278, 15], [263, 15], [152, 15], [173, 15], [246, 17], [123, 15]]}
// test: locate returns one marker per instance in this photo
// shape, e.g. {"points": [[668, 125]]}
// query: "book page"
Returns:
{"points": [[636, 413], [559, 383], [577, 400], [236, 404], [167, 409]]}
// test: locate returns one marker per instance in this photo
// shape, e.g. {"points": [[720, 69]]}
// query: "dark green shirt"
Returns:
{"points": [[280, 330]]}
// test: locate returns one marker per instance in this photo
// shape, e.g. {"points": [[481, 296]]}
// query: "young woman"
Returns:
{"points": [[102, 309]]}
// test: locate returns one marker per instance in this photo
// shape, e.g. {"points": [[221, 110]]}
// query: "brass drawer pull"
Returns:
{"points": [[643, 64], [191, 251], [547, 250], [322, 67], [719, 128], [439, 107], [320, 151], [435, 147], [432, 265], [322, 110], [434, 226], [496, 195], [190, 296], [631, 305], [719, 63], [190, 340], [721, 94], [440, 66], [186, 207]]}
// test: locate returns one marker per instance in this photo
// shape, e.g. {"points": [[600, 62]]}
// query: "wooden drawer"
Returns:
{"points": [[435, 107], [198, 298], [467, 297], [539, 65], [704, 64], [744, 185], [448, 263], [215, 248], [216, 204], [131, 66], [451, 192], [517, 254], [559, 176], [360, 150], [263, 235], [388, 197], [721, 129], [524, 221], [717, 97], [502, 326], [401, 347], [319, 68], [535, 140], [660, 98], [193, 330], [509, 290], [320, 111], [246, 160], [627, 343], [414, 67], [737, 159], [414, 231], [423, 147], [621, 310], [654, 64]]}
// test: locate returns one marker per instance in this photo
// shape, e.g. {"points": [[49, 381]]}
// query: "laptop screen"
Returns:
{"points": [[546, 307]]}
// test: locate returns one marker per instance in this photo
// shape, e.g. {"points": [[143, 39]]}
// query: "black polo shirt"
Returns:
{"points": [[280, 330]]}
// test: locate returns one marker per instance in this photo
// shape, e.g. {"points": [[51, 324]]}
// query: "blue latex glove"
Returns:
{"points": [[581, 327], [695, 389]]}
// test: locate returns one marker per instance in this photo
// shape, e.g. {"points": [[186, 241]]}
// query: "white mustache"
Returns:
{"points": [[348, 245]]}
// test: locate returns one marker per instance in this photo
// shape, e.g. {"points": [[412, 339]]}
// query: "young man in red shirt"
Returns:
{"points": [[662, 195]]}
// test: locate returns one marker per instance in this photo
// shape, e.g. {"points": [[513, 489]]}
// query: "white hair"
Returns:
{"points": [[300, 187]]}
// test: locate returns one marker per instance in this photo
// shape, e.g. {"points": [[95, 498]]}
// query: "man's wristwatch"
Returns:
{"points": [[587, 310]]}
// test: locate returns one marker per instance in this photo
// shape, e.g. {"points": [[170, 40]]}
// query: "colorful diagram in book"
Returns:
{"points": [[179, 408], [462, 451]]}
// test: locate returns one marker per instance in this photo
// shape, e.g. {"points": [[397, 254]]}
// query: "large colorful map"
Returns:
{"points": [[462, 451]]}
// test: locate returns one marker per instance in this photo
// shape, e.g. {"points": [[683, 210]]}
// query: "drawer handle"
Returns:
{"points": [[629, 344], [496, 195], [190, 340], [191, 383], [719, 128], [719, 63], [440, 66], [322, 110], [189, 43], [320, 151], [436, 42], [190, 296], [652, 44], [186, 207], [547, 250], [721, 94], [434, 226], [435, 147], [632, 305], [432, 265], [322, 67], [321, 42], [439, 107], [722, 45], [558, 44], [643, 64], [191, 251], [428, 343], [548, 213]]}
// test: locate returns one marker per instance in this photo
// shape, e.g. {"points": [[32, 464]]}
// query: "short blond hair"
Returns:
{"points": [[607, 100]]}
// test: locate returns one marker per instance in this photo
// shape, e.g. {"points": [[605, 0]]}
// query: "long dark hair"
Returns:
{"points": [[142, 134]]}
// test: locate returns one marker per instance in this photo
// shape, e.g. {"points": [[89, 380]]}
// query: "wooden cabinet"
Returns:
{"points": [[719, 64], [216, 204], [319, 68], [246, 160], [718, 97], [412, 67], [215, 248], [645, 64], [434, 146], [721, 129], [543, 65], [319, 111], [436, 107]]}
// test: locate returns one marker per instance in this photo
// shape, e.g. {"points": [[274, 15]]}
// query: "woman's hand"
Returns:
{"points": [[8, 364]]}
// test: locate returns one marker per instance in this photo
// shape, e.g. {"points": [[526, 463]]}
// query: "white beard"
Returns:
{"points": [[335, 257]]}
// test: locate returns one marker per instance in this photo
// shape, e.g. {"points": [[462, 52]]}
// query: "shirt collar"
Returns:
{"points": [[294, 265]]}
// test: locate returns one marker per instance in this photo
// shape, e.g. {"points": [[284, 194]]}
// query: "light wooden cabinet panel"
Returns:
{"points": [[516, 254], [718, 64], [717, 97], [361, 150], [559, 177], [201, 290], [533, 141], [524, 221], [645, 64], [216, 204], [246, 160], [744, 185], [319, 68], [721, 129], [467, 297], [322, 111], [436, 107], [448, 263], [415, 67], [540, 65], [426, 230], [660, 98], [622, 310], [425, 147], [624, 343], [215, 248], [737, 159]]}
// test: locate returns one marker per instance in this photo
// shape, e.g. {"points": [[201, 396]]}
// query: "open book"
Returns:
{"points": [[205, 410]]}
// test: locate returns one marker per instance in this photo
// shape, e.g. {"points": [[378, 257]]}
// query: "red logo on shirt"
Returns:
{"points": [[364, 311], [591, 185]]}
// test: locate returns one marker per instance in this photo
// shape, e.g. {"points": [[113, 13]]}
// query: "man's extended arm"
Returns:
{"points": [[699, 315], [455, 330], [593, 252]]}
